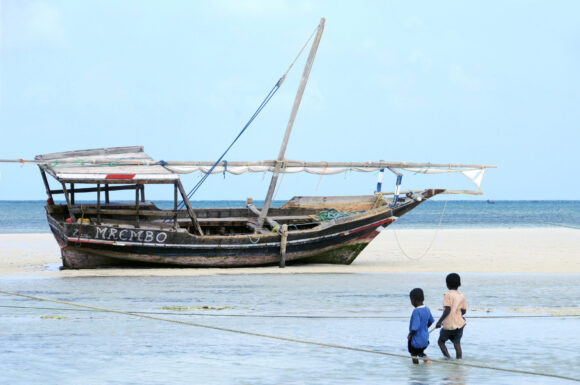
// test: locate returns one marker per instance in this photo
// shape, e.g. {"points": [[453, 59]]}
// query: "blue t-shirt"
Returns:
{"points": [[420, 318]]}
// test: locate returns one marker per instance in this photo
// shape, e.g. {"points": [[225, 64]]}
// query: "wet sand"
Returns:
{"points": [[547, 250]]}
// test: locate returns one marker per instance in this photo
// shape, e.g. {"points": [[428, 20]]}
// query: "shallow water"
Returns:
{"points": [[45, 343]]}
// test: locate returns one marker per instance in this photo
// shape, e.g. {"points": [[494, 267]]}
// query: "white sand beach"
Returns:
{"points": [[538, 250]]}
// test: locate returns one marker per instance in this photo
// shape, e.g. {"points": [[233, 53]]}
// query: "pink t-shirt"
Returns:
{"points": [[456, 301]]}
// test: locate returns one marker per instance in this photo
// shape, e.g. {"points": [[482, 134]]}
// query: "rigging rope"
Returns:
{"points": [[260, 108], [295, 340]]}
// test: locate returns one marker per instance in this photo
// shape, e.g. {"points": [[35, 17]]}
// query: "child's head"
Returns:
{"points": [[417, 297], [453, 281]]}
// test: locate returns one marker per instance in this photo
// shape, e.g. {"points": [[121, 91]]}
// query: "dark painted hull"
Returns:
{"points": [[338, 242]]}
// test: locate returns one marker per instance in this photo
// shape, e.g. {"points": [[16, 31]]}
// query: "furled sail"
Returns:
{"points": [[101, 163]]}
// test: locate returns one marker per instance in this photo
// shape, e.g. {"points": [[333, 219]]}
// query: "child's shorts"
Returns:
{"points": [[416, 352], [452, 335]]}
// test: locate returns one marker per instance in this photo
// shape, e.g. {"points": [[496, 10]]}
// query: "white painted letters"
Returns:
{"points": [[114, 234], [101, 232], [161, 237]]}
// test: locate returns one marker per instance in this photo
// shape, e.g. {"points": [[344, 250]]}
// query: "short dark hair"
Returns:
{"points": [[417, 295], [453, 281]]}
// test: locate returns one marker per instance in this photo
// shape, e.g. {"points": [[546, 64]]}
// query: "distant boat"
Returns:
{"points": [[328, 229], [490, 202]]}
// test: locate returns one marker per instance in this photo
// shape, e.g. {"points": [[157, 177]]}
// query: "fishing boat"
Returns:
{"points": [[305, 229]]}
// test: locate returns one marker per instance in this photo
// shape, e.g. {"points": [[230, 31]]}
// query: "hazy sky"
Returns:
{"points": [[491, 82]]}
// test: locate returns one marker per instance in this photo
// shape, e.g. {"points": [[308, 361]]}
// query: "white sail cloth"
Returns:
{"points": [[473, 174]]}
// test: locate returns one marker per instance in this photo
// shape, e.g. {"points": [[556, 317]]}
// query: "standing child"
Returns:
{"points": [[454, 307], [421, 319]]}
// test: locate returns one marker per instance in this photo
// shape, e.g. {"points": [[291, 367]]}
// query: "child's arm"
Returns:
{"points": [[430, 320], [446, 311], [410, 335]]}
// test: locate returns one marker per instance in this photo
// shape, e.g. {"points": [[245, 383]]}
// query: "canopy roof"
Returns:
{"points": [[105, 165]]}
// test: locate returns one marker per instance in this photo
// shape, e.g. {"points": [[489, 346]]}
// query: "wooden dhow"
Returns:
{"points": [[329, 229]]}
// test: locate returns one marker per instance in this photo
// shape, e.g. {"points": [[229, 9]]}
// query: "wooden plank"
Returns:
{"points": [[46, 185], [106, 151], [283, 242], [98, 204], [273, 224], [137, 189], [94, 189], [189, 209], [68, 203], [127, 212], [175, 211]]}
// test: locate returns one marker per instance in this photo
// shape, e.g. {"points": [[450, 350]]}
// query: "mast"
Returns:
{"points": [[297, 100]]}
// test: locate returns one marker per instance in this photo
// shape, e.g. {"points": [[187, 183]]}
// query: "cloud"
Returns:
{"points": [[26, 23], [459, 77]]}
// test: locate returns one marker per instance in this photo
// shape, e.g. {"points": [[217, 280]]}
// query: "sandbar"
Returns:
{"points": [[499, 250]]}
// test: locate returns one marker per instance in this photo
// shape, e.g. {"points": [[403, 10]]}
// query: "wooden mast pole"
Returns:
{"points": [[297, 100]]}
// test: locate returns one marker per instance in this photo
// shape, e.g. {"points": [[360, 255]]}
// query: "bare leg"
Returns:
{"points": [[458, 352], [443, 348]]}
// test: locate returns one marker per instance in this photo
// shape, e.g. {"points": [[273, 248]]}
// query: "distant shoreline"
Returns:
{"points": [[498, 250]]}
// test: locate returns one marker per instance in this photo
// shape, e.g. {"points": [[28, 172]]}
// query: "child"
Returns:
{"points": [[421, 319], [452, 320]]}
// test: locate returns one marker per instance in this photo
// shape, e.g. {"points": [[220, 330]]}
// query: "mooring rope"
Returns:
{"points": [[432, 239], [238, 315], [430, 243], [287, 339]]}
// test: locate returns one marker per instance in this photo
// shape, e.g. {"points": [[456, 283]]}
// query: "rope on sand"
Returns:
{"points": [[321, 344]]}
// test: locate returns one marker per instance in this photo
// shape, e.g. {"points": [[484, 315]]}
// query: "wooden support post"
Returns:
{"points": [[72, 193], [189, 209], [98, 203], [68, 203], [283, 242], [107, 193], [137, 189], [297, 100], [46, 185], [142, 193], [175, 224]]}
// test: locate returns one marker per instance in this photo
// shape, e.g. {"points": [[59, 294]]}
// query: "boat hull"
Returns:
{"points": [[337, 241]]}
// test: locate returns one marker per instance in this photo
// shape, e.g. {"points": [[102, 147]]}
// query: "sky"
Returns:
{"points": [[479, 82]]}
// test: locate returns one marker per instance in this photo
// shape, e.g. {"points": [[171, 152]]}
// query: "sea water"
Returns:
{"points": [[50, 343]]}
